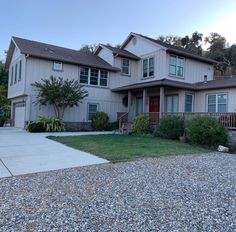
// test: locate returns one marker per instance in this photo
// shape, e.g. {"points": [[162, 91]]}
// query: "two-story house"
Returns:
{"points": [[144, 75]]}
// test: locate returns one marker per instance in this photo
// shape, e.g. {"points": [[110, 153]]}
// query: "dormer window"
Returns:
{"points": [[57, 66], [176, 67], [125, 66], [148, 67]]}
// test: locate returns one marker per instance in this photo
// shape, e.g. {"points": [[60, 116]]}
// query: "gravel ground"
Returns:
{"points": [[176, 193]]}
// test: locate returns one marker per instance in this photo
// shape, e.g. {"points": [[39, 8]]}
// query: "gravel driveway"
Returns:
{"points": [[176, 193]]}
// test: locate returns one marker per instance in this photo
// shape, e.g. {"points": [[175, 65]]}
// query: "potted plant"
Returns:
{"points": [[183, 138]]}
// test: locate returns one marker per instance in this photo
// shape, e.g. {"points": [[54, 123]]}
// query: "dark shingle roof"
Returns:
{"points": [[179, 51], [52, 52], [121, 52], [213, 84]]}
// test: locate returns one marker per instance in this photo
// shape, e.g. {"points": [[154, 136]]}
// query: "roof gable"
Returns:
{"points": [[117, 51]]}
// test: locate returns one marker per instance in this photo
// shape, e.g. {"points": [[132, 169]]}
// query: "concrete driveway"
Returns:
{"points": [[22, 153]]}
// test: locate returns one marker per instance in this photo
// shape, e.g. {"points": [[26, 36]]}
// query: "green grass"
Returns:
{"points": [[126, 147]]}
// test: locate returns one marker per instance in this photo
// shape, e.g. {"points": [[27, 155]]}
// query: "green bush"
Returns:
{"points": [[207, 131], [170, 127], [36, 126], [113, 126], [142, 124], [100, 121], [52, 124]]}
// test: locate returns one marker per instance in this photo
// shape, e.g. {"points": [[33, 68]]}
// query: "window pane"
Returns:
{"points": [[173, 60], [222, 98], [84, 72], [145, 63], [94, 76], [57, 66], [103, 78], [211, 108], [180, 62], [169, 104], [15, 73], [188, 103], [92, 109], [20, 67], [172, 70], [125, 66], [175, 102], [151, 66], [211, 99], [222, 108], [180, 71]]}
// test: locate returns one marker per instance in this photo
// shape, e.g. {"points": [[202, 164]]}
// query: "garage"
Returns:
{"points": [[19, 115]]}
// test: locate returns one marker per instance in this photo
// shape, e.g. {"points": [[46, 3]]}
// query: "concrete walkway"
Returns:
{"points": [[22, 153]]}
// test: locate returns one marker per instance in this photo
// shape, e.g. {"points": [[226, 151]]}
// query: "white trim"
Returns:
{"points": [[187, 93], [148, 58], [57, 62], [216, 94], [175, 75], [129, 73]]}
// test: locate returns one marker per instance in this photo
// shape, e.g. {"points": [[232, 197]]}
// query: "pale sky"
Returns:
{"points": [[72, 23]]}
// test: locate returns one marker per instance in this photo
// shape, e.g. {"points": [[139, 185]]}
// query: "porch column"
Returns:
{"points": [[162, 98], [129, 105], [144, 100]]}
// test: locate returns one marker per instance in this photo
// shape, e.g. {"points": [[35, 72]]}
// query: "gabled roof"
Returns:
{"points": [[118, 52], [200, 86], [52, 52], [171, 49]]}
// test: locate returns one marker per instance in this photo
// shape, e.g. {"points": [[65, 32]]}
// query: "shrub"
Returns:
{"points": [[207, 131], [36, 126], [233, 147], [141, 124], [170, 127], [52, 124], [113, 126], [100, 121]]}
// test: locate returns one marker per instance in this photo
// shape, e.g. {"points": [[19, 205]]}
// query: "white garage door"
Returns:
{"points": [[19, 120]]}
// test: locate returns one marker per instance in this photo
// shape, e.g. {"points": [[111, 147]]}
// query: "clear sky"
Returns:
{"points": [[72, 23]]}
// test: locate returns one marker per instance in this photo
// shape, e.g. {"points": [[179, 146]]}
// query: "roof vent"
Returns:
{"points": [[205, 78], [49, 50]]}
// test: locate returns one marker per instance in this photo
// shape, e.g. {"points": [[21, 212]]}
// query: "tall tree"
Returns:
{"points": [[170, 39], [59, 93]]}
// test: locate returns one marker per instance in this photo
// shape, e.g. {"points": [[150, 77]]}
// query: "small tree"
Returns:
{"points": [[59, 93]]}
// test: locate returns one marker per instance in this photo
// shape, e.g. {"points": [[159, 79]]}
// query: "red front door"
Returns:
{"points": [[154, 108]]}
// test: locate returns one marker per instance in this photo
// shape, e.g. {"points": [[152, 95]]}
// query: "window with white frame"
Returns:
{"points": [[217, 102], [12, 75], [57, 66], [189, 103], [20, 70], [148, 67], [103, 78], [92, 109], [93, 76], [15, 73], [125, 66], [176, 67], [172, 102]]}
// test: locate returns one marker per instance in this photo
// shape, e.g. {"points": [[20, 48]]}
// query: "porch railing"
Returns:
{"points": [[228, 120]]}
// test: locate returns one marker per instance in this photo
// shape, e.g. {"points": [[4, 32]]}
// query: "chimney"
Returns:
{"points": [[205, 78]]}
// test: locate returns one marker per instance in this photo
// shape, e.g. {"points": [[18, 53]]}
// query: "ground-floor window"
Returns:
{"points": [[217, 102], [139, 105], [92, 109], [189, 103], [172, 102]]}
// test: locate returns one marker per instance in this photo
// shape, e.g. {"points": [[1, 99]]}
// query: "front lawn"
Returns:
{"points": [[126, 147]]}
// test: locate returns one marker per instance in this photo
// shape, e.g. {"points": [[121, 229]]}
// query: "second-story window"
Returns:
{"points": [[93, 76], [148, 67], [57, 66], [20, 68], [15, 79], [12, 75], [125, 66], [176, 67]]}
